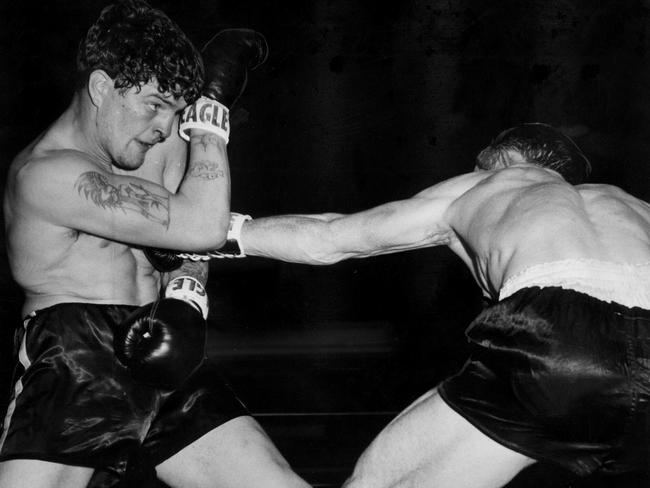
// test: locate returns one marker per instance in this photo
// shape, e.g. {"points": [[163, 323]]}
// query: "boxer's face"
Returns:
{"points": [[135, 120]]}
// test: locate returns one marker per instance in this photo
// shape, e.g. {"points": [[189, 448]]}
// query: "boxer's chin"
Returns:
{"points": [[130, 161]]}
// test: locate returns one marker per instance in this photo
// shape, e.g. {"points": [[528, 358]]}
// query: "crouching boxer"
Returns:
{"points": [[560, 365], [110, 386]]}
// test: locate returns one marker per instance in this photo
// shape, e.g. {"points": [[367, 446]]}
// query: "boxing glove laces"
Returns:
{"points": [[163, 343]]}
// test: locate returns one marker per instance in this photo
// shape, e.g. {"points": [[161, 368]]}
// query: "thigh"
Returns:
{"points": [[430, 445], [32, 473], [204, 403], [237, 454]]}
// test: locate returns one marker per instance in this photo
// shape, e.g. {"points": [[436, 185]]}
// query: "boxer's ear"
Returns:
{"points": [[99, 84]]}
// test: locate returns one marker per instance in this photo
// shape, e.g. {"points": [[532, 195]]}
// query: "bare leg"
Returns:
{"points": [[430, 445], [236, 454], [32, 473]]}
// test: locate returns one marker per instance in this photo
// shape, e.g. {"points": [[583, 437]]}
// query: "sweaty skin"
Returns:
{"points": [[523, 216], [497, 221], [54, 263]]}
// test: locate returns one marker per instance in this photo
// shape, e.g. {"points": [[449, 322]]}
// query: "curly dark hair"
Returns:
{"points": [[542, 145], [135, 44]]}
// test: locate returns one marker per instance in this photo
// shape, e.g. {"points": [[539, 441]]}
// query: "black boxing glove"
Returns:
{"points": [[163, 260], [227, 58], [163, 343]]}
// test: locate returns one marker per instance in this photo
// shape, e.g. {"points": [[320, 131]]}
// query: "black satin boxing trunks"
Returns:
{"points": [[560, 377], [74, 403]]}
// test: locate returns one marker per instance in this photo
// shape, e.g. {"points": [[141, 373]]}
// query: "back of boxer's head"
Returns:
{"points": [[539, 144], [135, 44]]}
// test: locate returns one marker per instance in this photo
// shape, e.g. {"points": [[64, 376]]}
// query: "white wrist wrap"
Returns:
{"points": [[234, 230], [233, 248], [205, 114], [190, 290]]}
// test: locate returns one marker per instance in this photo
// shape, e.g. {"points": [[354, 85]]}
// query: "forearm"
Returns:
{"points": [[204, 193], [188, 283], [303, 239], [195, 269], [329, 238]]}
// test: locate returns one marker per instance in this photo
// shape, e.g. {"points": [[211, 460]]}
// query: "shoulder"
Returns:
{"points": [[55, 161], [608, 193], [512, 179], [494, 191], [35, 174], [601, 188], [456, 186]]}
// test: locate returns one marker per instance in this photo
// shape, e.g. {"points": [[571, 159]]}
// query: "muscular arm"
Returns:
{"points": [[66, 188], [171, 156], [420, 221]]}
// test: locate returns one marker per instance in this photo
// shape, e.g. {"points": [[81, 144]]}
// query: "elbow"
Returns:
{"points": [[324, 254], [323, 246], [217, 234], [326, 261], [209, 236], [323, 258]]}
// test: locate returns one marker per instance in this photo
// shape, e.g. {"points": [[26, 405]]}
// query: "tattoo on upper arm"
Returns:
{"points": [[207, 170], [128, 197]]}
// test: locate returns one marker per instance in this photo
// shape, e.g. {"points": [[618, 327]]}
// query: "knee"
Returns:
{"points": [[351, 482], [375, 471], [364, 476], [358, 480], [273, 471], [285, 477]]}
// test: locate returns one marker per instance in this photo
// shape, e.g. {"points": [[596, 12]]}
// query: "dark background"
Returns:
{"points": [[361, 102]]}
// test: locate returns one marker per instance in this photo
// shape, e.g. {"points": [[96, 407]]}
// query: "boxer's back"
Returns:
{"points": [[524, 216]]}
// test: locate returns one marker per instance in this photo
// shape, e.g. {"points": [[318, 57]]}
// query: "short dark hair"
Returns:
{"points": [[542, 145], [135, 44]]}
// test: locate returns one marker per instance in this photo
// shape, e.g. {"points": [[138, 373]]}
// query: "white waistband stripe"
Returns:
{"points": [[627, 284]]}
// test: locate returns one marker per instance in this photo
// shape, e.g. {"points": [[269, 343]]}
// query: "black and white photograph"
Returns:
{"points": [[325, 244]]}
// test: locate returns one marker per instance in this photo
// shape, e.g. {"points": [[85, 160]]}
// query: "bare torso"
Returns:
{"points": [[55, 264], [523, 216]]}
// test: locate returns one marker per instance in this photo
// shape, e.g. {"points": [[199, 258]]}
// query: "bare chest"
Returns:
{"points": [[70, 265]]}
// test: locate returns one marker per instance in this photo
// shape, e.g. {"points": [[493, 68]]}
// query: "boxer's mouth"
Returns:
{"points": [[149, 145]]}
